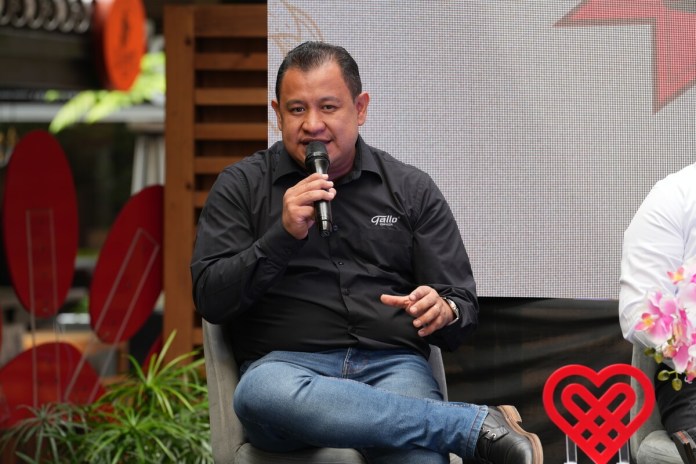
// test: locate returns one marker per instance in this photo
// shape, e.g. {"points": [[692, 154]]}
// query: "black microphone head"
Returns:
{"points": [[316, 157]]}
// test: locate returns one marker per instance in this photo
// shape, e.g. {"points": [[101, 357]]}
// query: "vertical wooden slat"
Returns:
{"points": [[178, 198]]}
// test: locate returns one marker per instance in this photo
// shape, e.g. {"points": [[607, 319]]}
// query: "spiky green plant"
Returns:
{"points": [[158, 414]]}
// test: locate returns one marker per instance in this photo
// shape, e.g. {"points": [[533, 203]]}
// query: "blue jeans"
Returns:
{"points": [[385, 403]]}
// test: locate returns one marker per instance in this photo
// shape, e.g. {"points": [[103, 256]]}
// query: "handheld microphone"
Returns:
{"points": [[317, 160]]}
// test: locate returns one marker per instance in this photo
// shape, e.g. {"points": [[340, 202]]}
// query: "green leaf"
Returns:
{"points": [[90, 106], [73, 111]]}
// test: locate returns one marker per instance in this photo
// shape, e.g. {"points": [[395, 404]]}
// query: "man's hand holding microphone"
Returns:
{"points": [[307, 202]]}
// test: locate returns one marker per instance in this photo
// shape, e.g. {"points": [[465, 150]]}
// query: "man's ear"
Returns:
{"points": [[279, 118], [361, 102]]}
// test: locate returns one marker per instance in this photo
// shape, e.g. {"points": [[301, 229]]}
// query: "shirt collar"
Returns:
{"points": [[366, 158], [285, 165]]}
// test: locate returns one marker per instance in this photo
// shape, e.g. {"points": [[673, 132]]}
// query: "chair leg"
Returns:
{"points": [[685, 446]]}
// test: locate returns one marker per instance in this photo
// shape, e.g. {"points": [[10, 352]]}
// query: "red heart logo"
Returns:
{"points": [[599, 428]]}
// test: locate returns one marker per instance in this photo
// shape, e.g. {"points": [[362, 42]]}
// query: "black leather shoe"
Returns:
{"points": [[685, 446], [503, 441]]}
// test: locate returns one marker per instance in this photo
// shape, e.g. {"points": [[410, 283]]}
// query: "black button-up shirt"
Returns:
{"points": [[393, 231]]}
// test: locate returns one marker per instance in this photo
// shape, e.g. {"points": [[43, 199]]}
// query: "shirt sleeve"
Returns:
{"points": [[653, 245], [230, 267], [441, 261]]}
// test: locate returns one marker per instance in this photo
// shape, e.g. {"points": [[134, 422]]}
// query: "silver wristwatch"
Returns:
{"points": [[454, 308]]}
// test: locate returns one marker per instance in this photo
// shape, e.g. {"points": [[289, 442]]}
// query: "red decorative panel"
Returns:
{"points": [[39, 222], [51, 372], [128, 275]]}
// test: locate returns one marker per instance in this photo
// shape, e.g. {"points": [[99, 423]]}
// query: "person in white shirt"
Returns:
{"points": [[659, 239]]}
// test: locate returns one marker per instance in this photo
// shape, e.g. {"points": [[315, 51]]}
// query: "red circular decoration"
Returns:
{"points": [[48, 373], [39, 223], [127, 278], [120, 42]]}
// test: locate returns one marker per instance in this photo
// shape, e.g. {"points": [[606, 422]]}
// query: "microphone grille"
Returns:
{"points": [[316, 148]]}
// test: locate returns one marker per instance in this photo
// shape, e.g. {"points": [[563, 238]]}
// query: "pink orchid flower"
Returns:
{"points": [[677, 276], [678, 347], [686, 289], [657, 320], [679, 354], [669, 320], [690, 373]]}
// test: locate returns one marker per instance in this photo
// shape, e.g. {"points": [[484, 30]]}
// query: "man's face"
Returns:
{"points": [[317, 106]]}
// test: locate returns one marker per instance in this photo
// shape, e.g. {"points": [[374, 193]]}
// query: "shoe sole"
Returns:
{"points": [[514, 420], [685, 446]]}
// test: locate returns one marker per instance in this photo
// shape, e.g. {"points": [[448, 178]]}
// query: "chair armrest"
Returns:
{"points": [[649, 367], [222, 375], [438, 367]]}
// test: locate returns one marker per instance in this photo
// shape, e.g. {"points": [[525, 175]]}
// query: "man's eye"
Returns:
{"points": [[297, 109], [329, 107]]}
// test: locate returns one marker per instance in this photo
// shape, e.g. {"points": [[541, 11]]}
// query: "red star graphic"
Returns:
{"points": [[674, 32]]}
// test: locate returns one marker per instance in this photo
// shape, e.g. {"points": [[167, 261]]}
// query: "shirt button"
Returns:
{"points": [[340, 263], [346, 291], [335, 227]]}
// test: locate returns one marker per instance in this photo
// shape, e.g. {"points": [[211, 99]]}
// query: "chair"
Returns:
{"points": [[227, 436], [651, 443]]}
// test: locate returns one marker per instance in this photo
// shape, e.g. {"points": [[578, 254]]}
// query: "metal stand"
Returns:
{"points": [[571, 457], [624, 454], [571, 451]]}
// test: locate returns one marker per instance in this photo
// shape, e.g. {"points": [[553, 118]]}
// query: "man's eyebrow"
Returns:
{"points": [[328, 98], [296, 101]]}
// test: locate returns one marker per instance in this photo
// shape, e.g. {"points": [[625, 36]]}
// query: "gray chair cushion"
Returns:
{"points": [[650, 444], [247, 454], [657, 447]]}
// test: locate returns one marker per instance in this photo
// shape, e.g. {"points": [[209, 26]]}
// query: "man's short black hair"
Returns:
{"points": [[310, 55]]}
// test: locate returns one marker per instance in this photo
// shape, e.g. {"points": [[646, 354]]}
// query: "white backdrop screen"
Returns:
{"points": [[544, 123]]}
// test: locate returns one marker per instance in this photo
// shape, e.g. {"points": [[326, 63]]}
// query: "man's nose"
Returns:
{"points": [[313, 122]]}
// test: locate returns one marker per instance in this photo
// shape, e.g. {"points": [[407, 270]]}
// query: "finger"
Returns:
{"points": [[316, 182], [423, 298], [434, 319], [432, 316], [419, 293], [396, 301], [310, 197], [308, 193], [427, 328]]}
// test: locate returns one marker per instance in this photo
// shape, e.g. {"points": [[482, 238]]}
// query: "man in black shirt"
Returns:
{"points": [[333, 332]]}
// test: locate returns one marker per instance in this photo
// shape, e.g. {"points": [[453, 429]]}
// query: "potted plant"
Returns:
{"points": [[157, 414]]}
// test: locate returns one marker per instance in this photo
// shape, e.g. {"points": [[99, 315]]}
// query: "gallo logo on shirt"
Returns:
{"points": [[384, 221]]}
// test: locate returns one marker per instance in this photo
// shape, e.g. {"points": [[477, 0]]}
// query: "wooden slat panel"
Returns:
{"points": [[199, 199], [240, 131], [227, 149], [213, 165], [231, 61], [216, 106], [178, 201], [197, 338], [233, 96], [249, 21]]}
